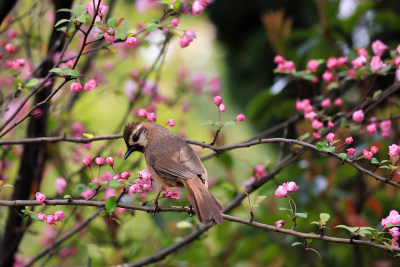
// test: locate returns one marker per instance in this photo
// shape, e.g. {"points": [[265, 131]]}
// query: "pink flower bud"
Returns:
{"points": [[76, 87], [59, 215], [367, 154], [371, 128], [10, 49], [171, 123], [362, 52], [40, 198], [51, 219], [279, 59], [125, 175], [351, 151], [185, 41], [70, 63], [292, 186], [77, 129], [100, 161], [312, 65], [385, 125], [142, 113], [60, 185], [280, 223], [88, 193], [330, 137], [190, 34], [131, 42], [259, 171], [90, 85], [110, 161], [374, 149], [376, 64], [310, 115], [110, 36], [175, 22], [394, 150], [378, 48], [87, 160], [316, 124], [42, 216], [240, 117], [217, 100], [338, 102], [328, 76], [331, 63], [341, 61], [316, 135], [198, 7], [359, 62], [330, 125], [326, 103], [349, 140], [221, 108], [358, 116], [151, 116], [281, 191]]}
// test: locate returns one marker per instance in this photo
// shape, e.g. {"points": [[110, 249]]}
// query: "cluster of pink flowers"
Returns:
{"points": [[60, 185], [150, 116], [286, 189], [98, 4], [372, 128], [170, 194], [369, 154], [51, 219], [15, 64], [89, 86], [144, 182], [392, 219], [199, 6], [221, 108], [187, 37], [283, 64]]}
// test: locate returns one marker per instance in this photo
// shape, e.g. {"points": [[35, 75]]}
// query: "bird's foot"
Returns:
{"points": [[156, 208], [190, 211]]}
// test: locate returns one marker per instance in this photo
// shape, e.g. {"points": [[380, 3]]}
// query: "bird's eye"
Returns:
{"points": [[135, 138]]}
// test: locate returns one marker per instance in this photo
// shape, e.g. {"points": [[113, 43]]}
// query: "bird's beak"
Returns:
{"points": [[129, 151]]}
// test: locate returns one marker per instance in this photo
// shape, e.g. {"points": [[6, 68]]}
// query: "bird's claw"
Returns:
{"points": [[156, 208], [190, 211]]}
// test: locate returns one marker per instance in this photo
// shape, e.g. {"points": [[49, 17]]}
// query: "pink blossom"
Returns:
{"points": [[221, 108], [398, 75], [11, 34], [42, 216], [125, 175], [328, 76], [316, 124], [60, 185], [90, 85], [330, 137], [51, 219], [359, 62], [331, 63], [362, 52], [240, 117], [259, 171], [107, 176], [249, 181], [171, 123], [351, 73], [394, 150], [10, 49], [374, 150], [102, 9], [59, 215], [367, 154], [376, 64], [110, 36], [281, 191], [279, 59], [326, 103], [87, 160], [349, 140], [280, 223], [198, 7], [378, 48], [385, 125], [312, 65], [371, 128], [145, 174], [395, 233], [187, 38], [316, 135], [151, 116], [341, 61], [40, 198], [303, 105], [358, 116], [286, 66], [310, 115], [110, 161], [131, 42], [217, 100], [142, 113], [397, 61], [134, 189], [398, 49], [385, 134], [330, 125], [393, 218], [100, 161], [215, 86], [76, 87], [175, 22], [292, 186], [70, 63], [351, 151], [174, 195], [88, 193]]}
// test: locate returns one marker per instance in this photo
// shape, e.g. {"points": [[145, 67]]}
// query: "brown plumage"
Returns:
{"points": [[172, 162]]}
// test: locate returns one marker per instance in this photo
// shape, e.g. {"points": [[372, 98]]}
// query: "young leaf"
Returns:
{"points": [[115, 183], [315, 252], [81, 19], [78, 9], [92, 186], [112, 22], [32, 83], [64, 10], [120, 21], [285, 209], [229, 123], [121, 35], [324, 217], [343, 156], [101, 25], [296, 244], [118, 221], [302, 214], [61, 21], [111, 204], [56, 70], [305, 136], [73, 73], [207, 122], [67, 197], [330, 149], [374, 161], [320, 146], [151, 26]]}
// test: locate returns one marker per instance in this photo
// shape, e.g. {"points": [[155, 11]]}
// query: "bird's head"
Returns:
{"points": [[136, 136]]}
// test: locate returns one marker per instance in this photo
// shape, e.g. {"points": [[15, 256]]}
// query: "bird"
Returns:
{"points": [[172, 162]]}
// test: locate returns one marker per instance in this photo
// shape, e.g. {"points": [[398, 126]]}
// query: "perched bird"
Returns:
{"points": [[172, 162]]}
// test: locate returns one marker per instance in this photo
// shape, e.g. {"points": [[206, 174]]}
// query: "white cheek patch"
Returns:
{"points": [[143, 139]]}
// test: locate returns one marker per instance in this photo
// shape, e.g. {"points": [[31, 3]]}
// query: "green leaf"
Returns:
{"points": [[229, 123], [302, 214], [112, 22], [315, 252], [388, 246], [31, 83], [73, 73], [111, 204], [207, 122], [364, 232], [343, 156], [184, 224], [78, 9], [103, 182], [324, 217], [121, 35], [348, 228], [308, 77], [393, 167], [56, 70], [320, 146], [101, 25], [314, 222], [64, 10], [152, 26], [115, 183], [36, 218], [67, 197], [81, 19], [374, 161], [330, 149], [92, 186], [344, 123], [384, 167], [118, 221], [296, 244], [280, 208], [61, 21], [305, 136], [385, 161]]}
